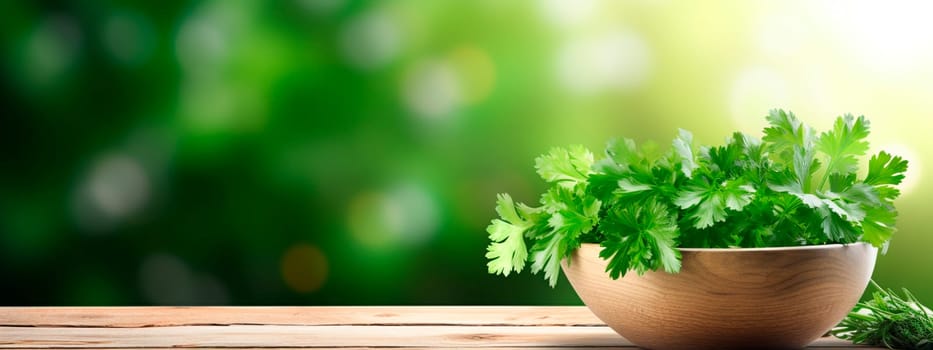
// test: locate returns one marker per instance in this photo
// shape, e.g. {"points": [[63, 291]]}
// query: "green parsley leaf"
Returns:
{"points": [[840, 182], [639, 238], [837, 228], [805, 164], [566, 166], [623, 152], [507, 250], [755, 156], [645, 174], [884, 169], [572, 215], [844, 143], [725, 160], [786, 132], [737, 194], [710, 201], [683, 147], [878, 225], [709, 205]]}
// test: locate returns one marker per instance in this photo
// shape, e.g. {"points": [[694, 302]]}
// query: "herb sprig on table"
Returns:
{"points": [[792, 187], [889, 320]]}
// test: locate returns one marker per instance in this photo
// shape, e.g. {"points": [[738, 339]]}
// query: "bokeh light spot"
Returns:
{"points": [[129, 38], [304, 268], [568, 12], [897, 41], [475, 70], [167, 280], [619, 59], [115, 188], [50, 50], [411, 214], [208, 106], [202, 44], [365, 222], [406, 215], [370, 40], [431, 90]]}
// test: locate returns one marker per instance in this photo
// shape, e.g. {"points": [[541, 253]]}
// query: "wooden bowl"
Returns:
{"points": [[744, 298]]}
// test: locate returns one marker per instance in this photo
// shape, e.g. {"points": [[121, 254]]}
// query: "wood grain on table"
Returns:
{"points": [[550, 327]]}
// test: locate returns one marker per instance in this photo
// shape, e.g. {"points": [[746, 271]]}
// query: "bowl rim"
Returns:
{"points": [[766, 249]]}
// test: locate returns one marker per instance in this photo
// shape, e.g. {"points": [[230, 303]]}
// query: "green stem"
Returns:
{"points": [[825, 175]]}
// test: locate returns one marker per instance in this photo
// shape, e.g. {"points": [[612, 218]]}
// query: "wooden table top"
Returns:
{"points": [[498, 327]]}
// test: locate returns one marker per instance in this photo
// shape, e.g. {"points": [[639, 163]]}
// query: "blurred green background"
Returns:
{"points": [[313, 152]]}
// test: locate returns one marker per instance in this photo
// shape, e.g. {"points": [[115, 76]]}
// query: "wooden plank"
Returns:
{"points": [[836, 344], [850, 347], [404, 348], [313, 327], [252, 336], [309, 336], [181, 316]]}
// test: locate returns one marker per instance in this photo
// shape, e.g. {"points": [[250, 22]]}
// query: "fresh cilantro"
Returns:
{"points": [[885, 169], [683, 145], [639, 238], [507, 251], [844, 144], [641, 204], [568, 167], [570, 216]]}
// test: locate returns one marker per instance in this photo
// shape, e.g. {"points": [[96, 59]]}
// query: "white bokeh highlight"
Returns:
{"points": [[566, 13], [167, 280], [115, 188], [618, 60], [404, 215], [892, 38], [431, 89], [411, 214], [203, 43], [50, 50], [128, 37], [370, 40]]}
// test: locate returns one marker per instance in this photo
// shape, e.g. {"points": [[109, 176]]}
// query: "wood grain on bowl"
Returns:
{"points": [[728, 298]]}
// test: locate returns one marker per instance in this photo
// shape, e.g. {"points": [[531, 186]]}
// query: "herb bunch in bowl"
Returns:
{"points": [[791, 187]]}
